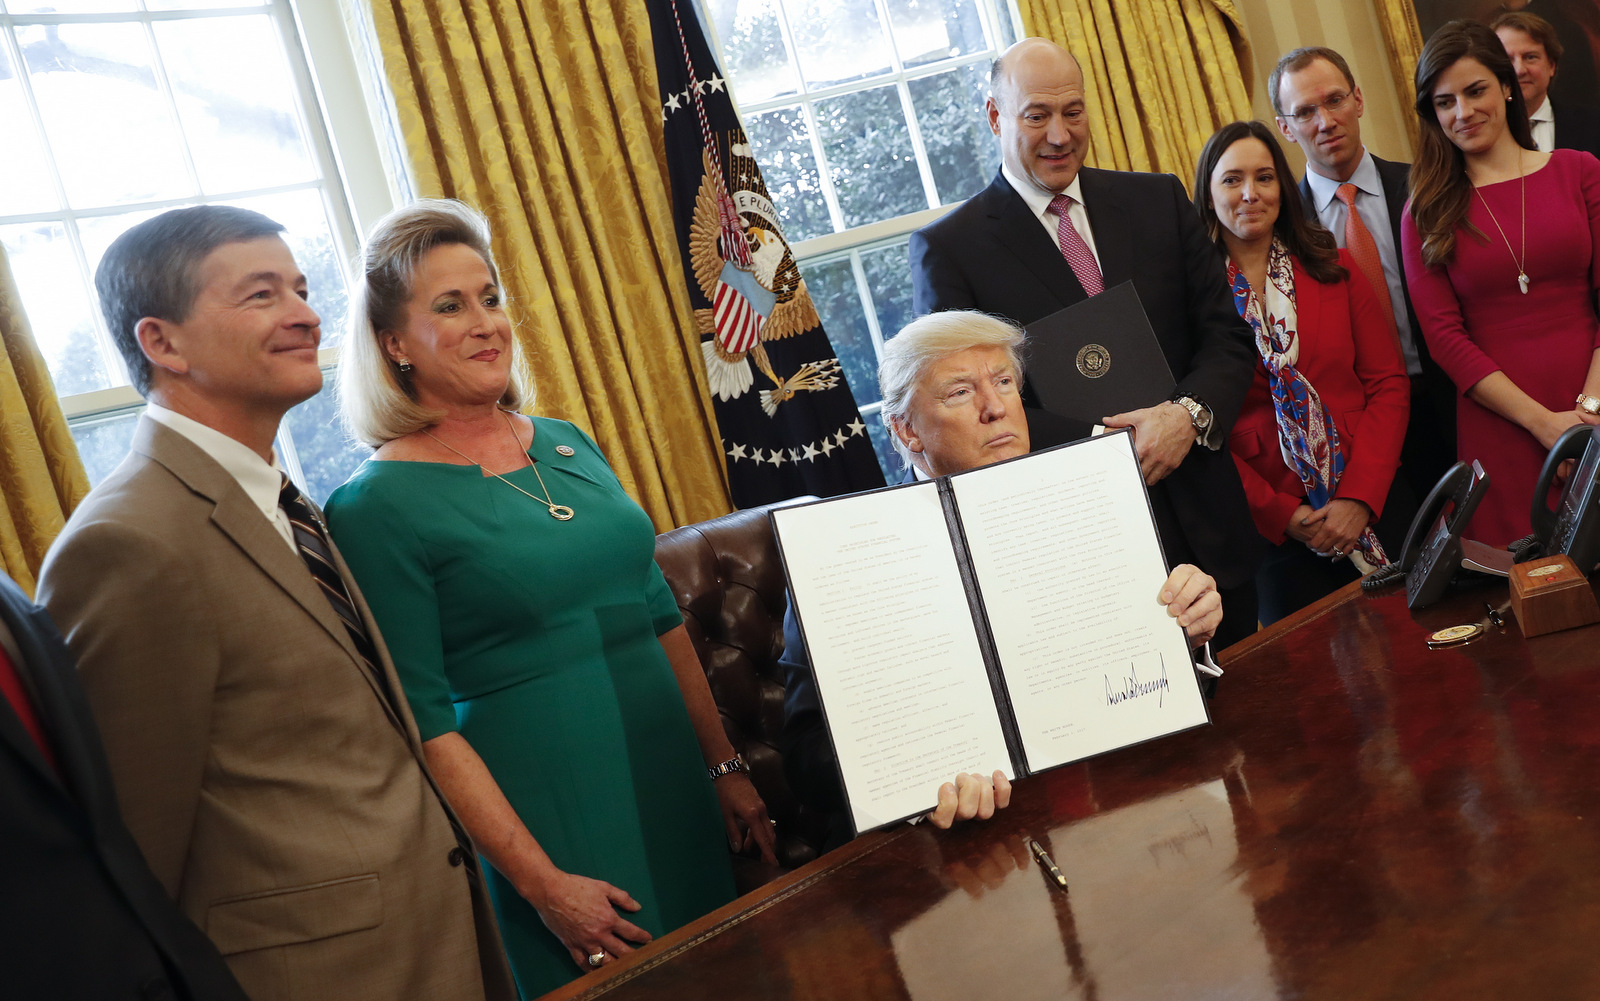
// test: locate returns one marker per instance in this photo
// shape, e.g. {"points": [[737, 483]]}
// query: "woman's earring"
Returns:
{"points": [[405, 366]]}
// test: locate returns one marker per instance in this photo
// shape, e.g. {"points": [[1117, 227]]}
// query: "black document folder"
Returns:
{"points": [[1098, 357], [1000, 618]]}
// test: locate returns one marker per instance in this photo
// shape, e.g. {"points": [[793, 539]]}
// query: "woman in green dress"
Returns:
{"points": [[561, 705]]}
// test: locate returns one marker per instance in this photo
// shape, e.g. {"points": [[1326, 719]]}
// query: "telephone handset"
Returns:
{"points": [[1573, 528], [1432, 552]]}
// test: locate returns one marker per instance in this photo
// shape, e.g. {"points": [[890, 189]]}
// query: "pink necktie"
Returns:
{"points": [[1075, 250]]}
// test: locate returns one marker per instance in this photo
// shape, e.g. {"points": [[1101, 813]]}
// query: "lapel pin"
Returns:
{"points": [[563, 449]]}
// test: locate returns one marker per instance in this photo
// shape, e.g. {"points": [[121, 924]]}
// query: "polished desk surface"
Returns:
{"points": [[1365, 818]]}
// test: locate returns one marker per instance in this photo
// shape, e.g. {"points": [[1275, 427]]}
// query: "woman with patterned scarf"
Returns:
{"points": [[1318, 441]]}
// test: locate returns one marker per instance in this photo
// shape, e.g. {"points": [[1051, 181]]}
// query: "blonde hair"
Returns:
{"points": [[930, 339], [376, 400]]}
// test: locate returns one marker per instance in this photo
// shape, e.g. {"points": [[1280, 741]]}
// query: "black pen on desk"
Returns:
{"points": [[1048, 863]]}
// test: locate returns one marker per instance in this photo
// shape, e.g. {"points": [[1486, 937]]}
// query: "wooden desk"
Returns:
{"points": [[1366, 818]]}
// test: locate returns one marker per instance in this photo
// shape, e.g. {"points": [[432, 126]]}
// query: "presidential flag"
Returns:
{"points": [[788, 423]]}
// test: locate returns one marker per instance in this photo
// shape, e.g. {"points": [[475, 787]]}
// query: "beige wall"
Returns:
{"points": [[1348, 26]]}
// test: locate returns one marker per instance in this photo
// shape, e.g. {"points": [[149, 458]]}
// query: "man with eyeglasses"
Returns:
{"points": [[1359, 198]]}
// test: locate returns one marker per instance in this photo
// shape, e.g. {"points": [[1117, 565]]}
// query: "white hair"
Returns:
{"points": [[928, 340]]}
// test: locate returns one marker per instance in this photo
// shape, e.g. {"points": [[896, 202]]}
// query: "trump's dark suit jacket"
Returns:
{"points": [[1430, 444], [81, 914], [992, 254]]}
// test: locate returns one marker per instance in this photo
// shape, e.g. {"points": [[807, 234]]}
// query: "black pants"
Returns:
{"points": [[1292, 577]]}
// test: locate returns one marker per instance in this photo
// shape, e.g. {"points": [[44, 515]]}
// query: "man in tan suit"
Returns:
{"points": [[263, 757]]}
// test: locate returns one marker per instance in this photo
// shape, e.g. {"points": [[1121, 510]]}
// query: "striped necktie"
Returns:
{"points": [[312, 542], [1364, 250], [1075, 249]]}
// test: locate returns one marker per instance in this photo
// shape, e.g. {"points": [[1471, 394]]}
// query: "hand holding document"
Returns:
{"points": [[997, 619]]}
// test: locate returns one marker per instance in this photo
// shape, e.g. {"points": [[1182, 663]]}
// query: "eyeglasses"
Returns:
{"points": [[1303, 116]]}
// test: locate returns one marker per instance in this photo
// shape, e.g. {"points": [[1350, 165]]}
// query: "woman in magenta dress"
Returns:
{"points": [[1502, 255]]}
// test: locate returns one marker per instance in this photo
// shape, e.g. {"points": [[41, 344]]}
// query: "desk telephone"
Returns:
{"points": [[1432, 552], [1573, 528]]}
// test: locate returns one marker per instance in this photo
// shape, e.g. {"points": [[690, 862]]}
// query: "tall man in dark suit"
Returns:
{"points": [[1319, 107], [1049, 232], [82, 914], [1535, 52]]}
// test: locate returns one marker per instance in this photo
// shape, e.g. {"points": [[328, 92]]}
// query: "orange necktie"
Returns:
{"points": [[1361, 246]]}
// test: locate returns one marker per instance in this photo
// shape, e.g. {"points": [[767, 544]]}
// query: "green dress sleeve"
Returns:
{"points": [[663, 606], [391, 567]]}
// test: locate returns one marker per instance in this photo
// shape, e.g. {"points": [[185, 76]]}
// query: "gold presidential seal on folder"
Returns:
{"points": [[1094, 360]]}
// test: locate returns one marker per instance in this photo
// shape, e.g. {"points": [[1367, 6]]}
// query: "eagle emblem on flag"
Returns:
{"points": [[745, 269]]}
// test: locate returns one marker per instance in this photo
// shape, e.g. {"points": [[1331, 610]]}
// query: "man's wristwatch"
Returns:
{"points": [[1199, 414], [733, 764], [1589, 404]]}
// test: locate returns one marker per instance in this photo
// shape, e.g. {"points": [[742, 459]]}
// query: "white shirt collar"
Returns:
{"points": [[1543, 113], [1037, 198], [1366, 179], [259, 479]]}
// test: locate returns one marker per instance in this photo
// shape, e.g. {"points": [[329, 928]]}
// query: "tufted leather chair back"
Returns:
{"points": [[728, 580]]}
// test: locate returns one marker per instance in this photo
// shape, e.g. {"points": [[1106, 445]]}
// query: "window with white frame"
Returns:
{"points": [[866, 118], [117, 110]]}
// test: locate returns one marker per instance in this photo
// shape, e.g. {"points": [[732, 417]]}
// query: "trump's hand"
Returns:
{"points": [[969, 796], [1162, 436], [1191, 597]]}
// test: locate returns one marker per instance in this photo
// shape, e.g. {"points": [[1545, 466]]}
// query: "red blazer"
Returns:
{"points": [[1349, 355]]}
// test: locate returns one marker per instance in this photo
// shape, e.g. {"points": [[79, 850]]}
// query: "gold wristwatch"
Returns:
{"points": [[1589, 404]]}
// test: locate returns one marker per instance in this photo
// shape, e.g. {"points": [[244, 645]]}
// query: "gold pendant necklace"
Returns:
{"points": [[559, 512], [1522, 271]]}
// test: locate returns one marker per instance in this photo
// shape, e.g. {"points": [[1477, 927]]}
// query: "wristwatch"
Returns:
{"points": [[1199, 414], [1589, 404], [733, 764]]}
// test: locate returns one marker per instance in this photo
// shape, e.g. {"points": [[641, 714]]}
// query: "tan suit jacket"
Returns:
{"points": [[277, 792]]}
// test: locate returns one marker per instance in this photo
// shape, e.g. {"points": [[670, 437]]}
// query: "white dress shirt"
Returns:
{"points": [[1039, 199], [1544, 126], [1374, 209], [259, 479]]}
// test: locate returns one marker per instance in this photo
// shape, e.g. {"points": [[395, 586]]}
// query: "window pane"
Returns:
{"points": [[70, 6], [754, 56], [894, 467], [236, 100], [781, 142], [57, 304], [97, 94], [833, 289], [103, 442], [25, 184], [203, 4], [327, 457], [310, 238], [888, 271], [869, 156], [961, 150], [926, 31], [838, 40]]}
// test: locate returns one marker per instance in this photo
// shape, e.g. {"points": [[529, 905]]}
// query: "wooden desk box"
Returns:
{"points": [[1550, 594]]}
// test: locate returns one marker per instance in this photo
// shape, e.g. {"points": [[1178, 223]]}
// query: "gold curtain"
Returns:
{"points": [[1398, 19], [1161, 75], [41, 476], [546, 116]]}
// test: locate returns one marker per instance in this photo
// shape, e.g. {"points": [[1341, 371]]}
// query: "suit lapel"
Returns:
{"points": [[1394, 194], [242, 522], [1109, 218], [1022, 234]]}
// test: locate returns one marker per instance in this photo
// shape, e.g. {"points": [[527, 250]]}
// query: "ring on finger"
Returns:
{"points": [[595, 959]]}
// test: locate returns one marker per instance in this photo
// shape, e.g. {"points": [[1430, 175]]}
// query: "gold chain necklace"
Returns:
{"points": [[559, 512], [1522, 271]]}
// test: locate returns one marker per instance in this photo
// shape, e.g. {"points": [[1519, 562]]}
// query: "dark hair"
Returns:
{"points": [[1535, 27], [1298, 60], [153, 269], [1312, 245], [1440, 190]]}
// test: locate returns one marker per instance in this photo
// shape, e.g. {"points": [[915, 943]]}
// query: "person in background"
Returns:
{"points": [[951, 385], [1535, 53], [1319, 438], [1048, 233], [558, 695], [1502, 251], [1360, 197], [84, 916], [262, 757]]}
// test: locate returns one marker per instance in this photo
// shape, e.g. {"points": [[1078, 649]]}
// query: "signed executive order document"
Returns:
{"points": [[1005, 617]]}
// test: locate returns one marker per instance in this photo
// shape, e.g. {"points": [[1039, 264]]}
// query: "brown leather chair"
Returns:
{"points": [[728, 579]]}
